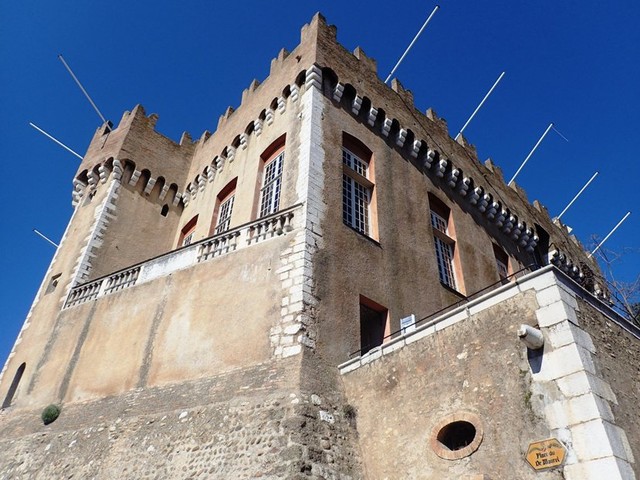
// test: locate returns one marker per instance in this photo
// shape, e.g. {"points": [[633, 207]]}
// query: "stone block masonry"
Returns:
{"points": [[297, 328]]}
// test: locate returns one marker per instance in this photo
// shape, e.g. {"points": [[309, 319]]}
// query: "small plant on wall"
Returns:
{"points": [[50, 414]]}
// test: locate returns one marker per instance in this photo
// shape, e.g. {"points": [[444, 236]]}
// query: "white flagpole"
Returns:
{"points": [[46, 238], [412, 42], [578, 194], [82, 88], [610, 233], [531, 153], [55, 140], [480, 106]]}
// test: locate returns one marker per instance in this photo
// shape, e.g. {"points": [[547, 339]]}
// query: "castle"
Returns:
{"points": [[327, 287]]}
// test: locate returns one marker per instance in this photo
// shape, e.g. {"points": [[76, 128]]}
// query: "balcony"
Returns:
{"points": [[218, 245]]}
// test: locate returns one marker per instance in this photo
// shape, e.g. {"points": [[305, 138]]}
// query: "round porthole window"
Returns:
{"points": [[456, 436]]}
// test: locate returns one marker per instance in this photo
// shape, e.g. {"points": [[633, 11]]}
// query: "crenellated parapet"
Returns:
{"points": [[134, 142], [431, 159], [155, 188], [352, 84], [277, 106]]}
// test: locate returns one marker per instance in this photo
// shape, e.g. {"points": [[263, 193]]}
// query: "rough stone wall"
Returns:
{"points": [[617, 358], [250, 423]]}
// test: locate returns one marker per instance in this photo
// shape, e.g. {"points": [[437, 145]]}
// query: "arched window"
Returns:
{"points": [[357, 186], [14, 386], [186, 235], [273, 160]]}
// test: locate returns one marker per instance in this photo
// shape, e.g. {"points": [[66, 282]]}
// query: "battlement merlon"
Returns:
{"points": [[136, 140]]}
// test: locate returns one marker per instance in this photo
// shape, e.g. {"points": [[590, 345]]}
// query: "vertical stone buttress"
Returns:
{"points": [[103, 214], [578, 400], [296, 273]]}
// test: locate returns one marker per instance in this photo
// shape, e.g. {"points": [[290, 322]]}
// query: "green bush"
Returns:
{"points": [[50, 413]]}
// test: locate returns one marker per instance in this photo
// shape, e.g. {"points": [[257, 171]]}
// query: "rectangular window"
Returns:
{"points": [[188, 238], [444, 256], [444, 242], [187, 232], [373, 324], [224, 216], [356, 192], [502, 263], [271, 186]]}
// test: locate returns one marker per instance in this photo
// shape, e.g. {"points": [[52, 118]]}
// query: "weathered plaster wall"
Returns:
{"points": [[203, 320], [247, 167], [477, 365], [135, 139], [358, 72], [42, 316], [399, 270]]}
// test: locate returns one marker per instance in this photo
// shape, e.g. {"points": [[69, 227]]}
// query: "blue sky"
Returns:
{"points": [[573, 62]]}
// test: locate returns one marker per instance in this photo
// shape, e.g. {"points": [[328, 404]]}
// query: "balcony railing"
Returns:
{"points": [[235, 239]]}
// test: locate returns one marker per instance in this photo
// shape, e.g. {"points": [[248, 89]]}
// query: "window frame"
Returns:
{"points": [[444, 238], [225, 202], [502, 263], [187, 233], [224, 215], [358, 188], [367, 330], [271, 189]]}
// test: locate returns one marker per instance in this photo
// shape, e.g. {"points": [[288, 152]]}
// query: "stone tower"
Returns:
{"points": [[329, 287]]}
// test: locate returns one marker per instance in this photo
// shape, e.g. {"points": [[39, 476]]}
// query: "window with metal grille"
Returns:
{"points": [[444, 242], [444, 256], [271, 186], [187, 232], [187, 239], [438, 222], [502, 263], [224, 215], [356, 192]]}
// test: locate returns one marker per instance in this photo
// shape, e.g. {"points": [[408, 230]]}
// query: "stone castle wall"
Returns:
{"points": [[249, 423]]}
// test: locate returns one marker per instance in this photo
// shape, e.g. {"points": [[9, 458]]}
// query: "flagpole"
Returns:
{"points": [[480, 106], [82, 88], [531, 153], [578, 194], [45, 237], [55, 140], [412, 42], [610, 233]]}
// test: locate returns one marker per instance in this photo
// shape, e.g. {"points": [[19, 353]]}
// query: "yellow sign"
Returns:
{"points": [[546, 454]]}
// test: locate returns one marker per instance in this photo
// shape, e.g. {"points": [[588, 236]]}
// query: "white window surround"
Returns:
{"points": [[356, 192], [271, 186]]}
